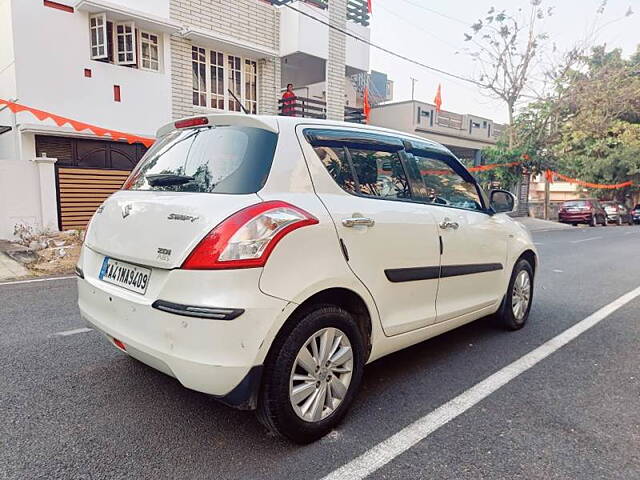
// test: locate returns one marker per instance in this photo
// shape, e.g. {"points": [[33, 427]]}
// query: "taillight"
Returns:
{"points": [[247, 238], [192, 122]]}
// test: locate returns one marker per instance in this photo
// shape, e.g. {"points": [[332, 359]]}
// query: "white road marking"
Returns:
{"points": [[384, 452], [555, 270], [73, 332], [538, 244], [35, 280], [586, 239]]}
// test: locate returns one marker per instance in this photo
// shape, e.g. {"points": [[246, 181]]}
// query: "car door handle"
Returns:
{"points": [[446, 223], [356, 221]]}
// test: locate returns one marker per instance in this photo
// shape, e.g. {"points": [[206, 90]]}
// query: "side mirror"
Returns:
{"points": [[502, 201]]}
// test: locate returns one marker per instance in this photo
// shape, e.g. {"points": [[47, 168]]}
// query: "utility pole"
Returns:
{"points": [[413, 88]]}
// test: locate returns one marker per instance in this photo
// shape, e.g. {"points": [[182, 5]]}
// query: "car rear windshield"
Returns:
{"points": [[220, 159], [581, 203]]}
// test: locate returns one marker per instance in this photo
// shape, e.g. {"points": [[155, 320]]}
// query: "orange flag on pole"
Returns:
{"points": [[438, 99], [366, 105]]}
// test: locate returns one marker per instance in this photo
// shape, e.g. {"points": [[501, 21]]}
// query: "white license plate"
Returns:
{"points": [[125, 275]]}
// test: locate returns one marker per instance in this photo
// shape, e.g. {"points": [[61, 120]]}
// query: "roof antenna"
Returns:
{"points": [[239, 102]]}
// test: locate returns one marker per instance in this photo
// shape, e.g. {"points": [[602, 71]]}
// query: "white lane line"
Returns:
{"points": [[387, 450], [73, 332], [16, 282], [555, 270], [586, 240]]}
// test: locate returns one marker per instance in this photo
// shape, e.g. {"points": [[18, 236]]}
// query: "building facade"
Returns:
{"points": [[464, 134], [133, 65]]}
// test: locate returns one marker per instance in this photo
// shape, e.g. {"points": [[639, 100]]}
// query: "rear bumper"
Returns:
{"points": [[213, 356], [575, 217]]}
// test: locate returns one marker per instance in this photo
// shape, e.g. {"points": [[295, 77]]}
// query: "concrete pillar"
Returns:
{"points": [[268, 86], [477, 158], [48, 195], [336, 62]]}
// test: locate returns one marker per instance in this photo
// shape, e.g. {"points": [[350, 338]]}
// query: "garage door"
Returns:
{"points": [[88, 171], [82, 190]]}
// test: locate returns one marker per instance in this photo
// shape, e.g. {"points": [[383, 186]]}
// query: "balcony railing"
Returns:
{"points": [[357, 10], [449, 120], [311, 108]]}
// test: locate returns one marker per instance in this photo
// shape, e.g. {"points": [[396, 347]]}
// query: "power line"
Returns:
{"points": [[444, 15], [383, 49], [421, 28]]}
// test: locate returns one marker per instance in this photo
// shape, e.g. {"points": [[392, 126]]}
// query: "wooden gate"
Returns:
{"points": [[81, 191]]}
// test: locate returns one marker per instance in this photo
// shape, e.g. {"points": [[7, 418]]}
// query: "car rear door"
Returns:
{"points": [[391, 243], [474, 243]]}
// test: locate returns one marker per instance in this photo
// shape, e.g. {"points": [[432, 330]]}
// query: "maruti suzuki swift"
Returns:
{"points": [[265, 260]]}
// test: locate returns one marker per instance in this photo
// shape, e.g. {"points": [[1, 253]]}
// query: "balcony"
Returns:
{"points": [[357, 10], [304, 107]]}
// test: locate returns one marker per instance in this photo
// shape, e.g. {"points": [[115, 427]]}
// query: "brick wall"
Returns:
{"points": [[252, 21], [336, 62]]}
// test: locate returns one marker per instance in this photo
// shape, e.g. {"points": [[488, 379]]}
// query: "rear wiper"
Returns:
{"points": [[165, 179]]}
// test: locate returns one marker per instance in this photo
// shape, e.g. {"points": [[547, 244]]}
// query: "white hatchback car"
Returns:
{"points": [[266, 260]]}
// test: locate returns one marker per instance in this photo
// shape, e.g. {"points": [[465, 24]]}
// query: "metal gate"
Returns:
{"points": [[81, 191]]}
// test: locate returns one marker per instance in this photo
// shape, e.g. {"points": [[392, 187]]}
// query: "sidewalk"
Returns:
{"points": [[539, 225], [10, 269]]}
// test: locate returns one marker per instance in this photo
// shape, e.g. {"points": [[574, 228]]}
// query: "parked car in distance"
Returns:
{"points": [[635, 214], [587, 211], [265, 260], [617, 213]]}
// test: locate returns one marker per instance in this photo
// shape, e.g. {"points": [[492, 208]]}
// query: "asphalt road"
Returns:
{"points": [[74, 407]]}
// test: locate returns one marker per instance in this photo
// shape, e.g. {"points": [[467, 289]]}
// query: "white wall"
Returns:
{"points": [[52, 51], [398, 116], [7, 77], [299, 33]]}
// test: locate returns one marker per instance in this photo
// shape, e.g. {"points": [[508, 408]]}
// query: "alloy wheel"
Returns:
{"points": [[321, 374], [521, 295]]}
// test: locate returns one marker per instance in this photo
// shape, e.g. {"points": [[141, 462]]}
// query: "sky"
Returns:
{"points": [[432, 32]]}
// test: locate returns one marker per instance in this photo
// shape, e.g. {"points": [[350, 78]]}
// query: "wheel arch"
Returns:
{"points": [[344, 298], [531, 257]]}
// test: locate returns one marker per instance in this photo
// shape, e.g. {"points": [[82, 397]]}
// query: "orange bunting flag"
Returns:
{"points": [[76, 125], [592, 185], [369, 7], [438, 99]]}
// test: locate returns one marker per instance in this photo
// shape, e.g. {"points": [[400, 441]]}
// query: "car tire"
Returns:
{"points": [[509, 316], [276, 409]]}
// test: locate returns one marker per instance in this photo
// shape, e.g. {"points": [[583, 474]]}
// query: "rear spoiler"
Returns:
{"points": [[219, 119]]}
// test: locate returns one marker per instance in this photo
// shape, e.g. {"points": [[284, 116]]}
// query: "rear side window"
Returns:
{"points": [[575, 204], [337, 164], [379, 174], [362, 163], [220, 159]]}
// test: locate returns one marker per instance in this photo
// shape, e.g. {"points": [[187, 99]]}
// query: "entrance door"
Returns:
{"points": [[392, 242]]}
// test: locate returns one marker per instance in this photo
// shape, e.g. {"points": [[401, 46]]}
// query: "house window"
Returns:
{"points": [[125, 43], [149, 51], [199, 65], [217, 80], [98, 30], [219, 77], [122, 43], [251, 86], [235, 83]]}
